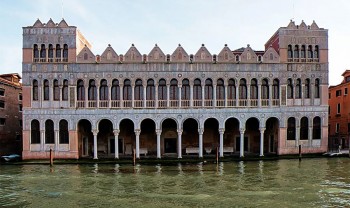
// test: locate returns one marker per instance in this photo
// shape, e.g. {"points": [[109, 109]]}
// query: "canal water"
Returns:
{"points": [[323, 182]]}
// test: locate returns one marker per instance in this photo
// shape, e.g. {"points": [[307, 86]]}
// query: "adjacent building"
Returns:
{"points": [[240, 102], [10, 114], [339, 114]]}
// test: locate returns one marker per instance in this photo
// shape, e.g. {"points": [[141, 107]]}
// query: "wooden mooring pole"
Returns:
{"points": [[51, 157], [217, 155], [134, 158], [299, 152]]}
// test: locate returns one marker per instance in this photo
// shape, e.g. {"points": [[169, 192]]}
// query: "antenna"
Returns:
{"points": [[293, 15], [62, 9]]}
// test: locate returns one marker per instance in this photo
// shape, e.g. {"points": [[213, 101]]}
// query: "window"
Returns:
{"points": [[185, 90], [304, 128], [208, 90], [307, 89], [345, 91], [253, 89], [138, 90], [35, 90], [2, 121], [56, 90], [43, 53], [298, 89], [242, 89], [20, 107], [63, 131], [338, 108], [103, 90], [348, 127], [231, 89], [36, 53], [265, 89], [65, 90], [173, 90], [317, 88], [197, 90], [316, 130], [316, 52], [150, 90], [337, 127], [259, 58], [237, 58], [65, 52], [127, 90], [220, 90], [115, 91], [46, 90], [20, 97], [162, 91], [35, 132], [338, 93], [291, 129], [347, 79], [2, 104], [49, 132], [329, 95], [296, 51], [290, 89], [2, 92], [92, 90], [276, 89], [290, 52], [81, 90], [58, 53], [303, 51], [309, 52], [20, 122], [50, 55]]}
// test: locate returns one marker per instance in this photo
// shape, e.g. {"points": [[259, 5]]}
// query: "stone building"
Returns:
{"points": [[241, 102], [339, 114], [10, 114]]}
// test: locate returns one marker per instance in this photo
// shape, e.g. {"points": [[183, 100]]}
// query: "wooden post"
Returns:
{"points": [[299, 152], [217, 155], [51, 157], [134, 158]]}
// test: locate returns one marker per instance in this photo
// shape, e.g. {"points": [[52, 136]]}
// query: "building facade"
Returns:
{"points": [[339, 114], [10, 114], [235, 102]]}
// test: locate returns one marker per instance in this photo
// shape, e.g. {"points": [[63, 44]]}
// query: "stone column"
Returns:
{"points": [[158, 132], [200, 147], [179, 143], [203, 95], [180, 92], [121, 95], [248, 95], [297, 136], [191, 95], [144, 96], [214, 96], [310, 137], [259, 95], [156, 96], [225, 95], [86, 96], [94, 132], [42, 140], [241, 148], [270, 95], [116, 143], [262, 130], [132, 95], [109, 95], [98, 95], [168, 95], [221, 132], [57, 136], [137, 133]]}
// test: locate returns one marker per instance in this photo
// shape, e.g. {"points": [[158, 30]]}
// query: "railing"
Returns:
{"points": [[138, 103], [231, 102], [127, 103], [265, 102], [185, 103], [162, 103], [220, 103], [242, 102], [275, 102], [253, 102], [197, 103], [208, 103], [50, 60], [104, 104], [174, 103], [80, 104], [150, 104], [115, 104], [92, 104]]}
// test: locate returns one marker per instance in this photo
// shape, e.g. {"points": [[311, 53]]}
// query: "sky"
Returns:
{"points": [[172, 22]]}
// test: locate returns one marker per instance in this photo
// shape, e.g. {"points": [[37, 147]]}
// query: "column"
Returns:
{"points": [[259, 95], [109, 95], [179, 143], [297, 136], [248, 95], [180, 92], [203, 97], [121, 104], [86, 96], [132, 95], [221, 132], [225, 95], [42, 140], [168, 95], [310, 136], [237, 95], [262, 130], [214, 95], [137, 133], [156, 96], [200, 132], [94, 132], [57, 136], [270, 95], [158, 132], [191, 95], [144, 96], [241, 148], [98, 95], [116, 143]]}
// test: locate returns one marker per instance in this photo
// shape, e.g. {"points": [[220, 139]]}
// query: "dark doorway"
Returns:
{"points": [[120, 146], [170, 145], [238, 144]]}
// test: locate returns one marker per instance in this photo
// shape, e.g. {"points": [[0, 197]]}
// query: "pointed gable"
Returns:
{"points": [[133, 55], [63, 23], [203, 55], [50, 23], [225, 55], [156, 55], [180, 55], [291, 25], [314, 26], [38, 23], [271, 56], [109, 55], [303, 26], [248, 55], [86, 56]]}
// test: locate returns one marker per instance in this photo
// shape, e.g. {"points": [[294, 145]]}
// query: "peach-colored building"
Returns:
{"points": [[240, 102]]}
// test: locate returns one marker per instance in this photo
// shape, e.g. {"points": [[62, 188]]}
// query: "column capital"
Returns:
{"points": [[179, 131], [158, 131], [200, 131], [137, 132], [242, 130], [95, 132], [262, 129], [116, 132], [221, 130]]}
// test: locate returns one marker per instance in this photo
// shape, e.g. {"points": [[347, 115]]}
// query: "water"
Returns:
{"points": [[285, 183]]}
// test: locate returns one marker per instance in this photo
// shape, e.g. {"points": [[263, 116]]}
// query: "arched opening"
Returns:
{"points": [[275, 89], [316, 128], [49, 132], [265, 92], [126, 137], [162, 94], [307, 88], [46, 90], [148, 137], [309, 52], [220, 93], [43, 53], [150, 93], [174, 94], [271, 135], [231, 135], [242, 92], [252, 136], [208, 92], [127, 95], [58, 53], [92, 94], [35, 132], [35, 90], [169, 136], [316, 52], [65, 90], [231, 93], [303, 52], [254, 92], [105, 139], [115, 94], [290, 52], [36, 53], [80, 94], [317, 88], [290, 89], [197, 92], [298, 89], [85, 138], [291, 129], [185, 93], [138, 96], [63, 132], [50, 55], [296, 52], [103, 90], [190, 136], [65, 53], [304, 128], [56, 90], [211, 135]]}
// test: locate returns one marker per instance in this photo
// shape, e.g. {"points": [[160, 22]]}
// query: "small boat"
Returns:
{"points": [[10, 158]]}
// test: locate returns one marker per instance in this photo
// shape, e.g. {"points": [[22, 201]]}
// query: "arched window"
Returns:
{"points": [[253, 89], [56, 90], [296, 51], [115, 91], [46, 90], [290, 89], [127, 90], [317, 88], [197, 89], [86, 56], [36, 53], [242, 89], [316, 129], [237, 58], [103, 90], [231, 89], [80, 90], [275, 89], [138, 90], [220, 89], [316, 52], [298, 89], [92, 90], [309, 52], [265, 89], [173, 90], [49, 132], [35, 90], [35, 132], [304, 128], [185, 90], [65, 52], [303, 51], [63, 131], [150, 90], [290, 52], [162, 91], [259, 58], [50, 55], [307, 88], [291, 129], [58, 53], [208, 90], [65, 90], [42, 53]]}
